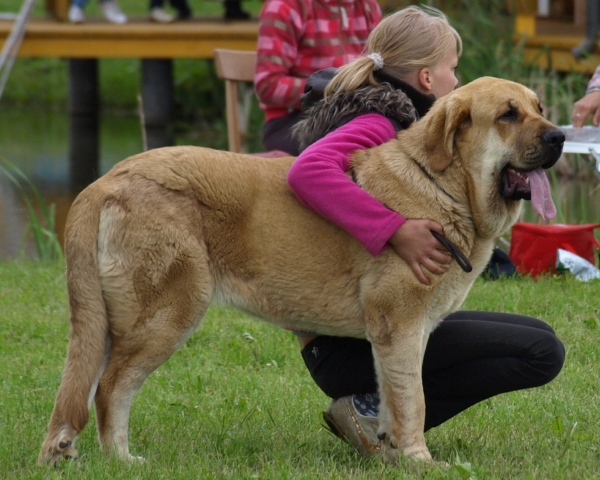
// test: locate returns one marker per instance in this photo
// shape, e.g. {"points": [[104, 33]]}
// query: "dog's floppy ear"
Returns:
{"points": [[442, 122]]}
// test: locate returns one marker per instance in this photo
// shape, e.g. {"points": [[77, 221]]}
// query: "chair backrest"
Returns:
{"points": [[234, 66]]}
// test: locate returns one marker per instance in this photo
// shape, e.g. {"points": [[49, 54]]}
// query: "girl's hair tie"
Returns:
{"points": [[377, 61]]}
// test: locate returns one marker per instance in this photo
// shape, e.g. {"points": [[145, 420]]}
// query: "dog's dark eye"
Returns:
{"points": [[510, 115]]}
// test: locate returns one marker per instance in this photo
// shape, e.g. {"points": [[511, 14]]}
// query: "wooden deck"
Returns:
{"points": [[139, 38], [549, 43]]}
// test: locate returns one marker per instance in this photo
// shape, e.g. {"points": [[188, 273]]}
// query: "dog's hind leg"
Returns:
{"points": [[173, 306], [124, 376], [157, 285]]}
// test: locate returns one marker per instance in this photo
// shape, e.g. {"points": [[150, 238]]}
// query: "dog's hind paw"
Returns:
{"points": [[134, 459], [57, 448]]}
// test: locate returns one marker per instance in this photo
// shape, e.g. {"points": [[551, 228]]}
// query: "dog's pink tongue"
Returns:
{"points": [[541, 199]]}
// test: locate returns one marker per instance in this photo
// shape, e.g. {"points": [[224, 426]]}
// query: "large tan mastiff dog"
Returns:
{"points": [[150, 245]]}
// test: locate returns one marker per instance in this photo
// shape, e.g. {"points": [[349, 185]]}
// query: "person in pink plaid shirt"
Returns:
{"points": [[589, 105], [295, 39]]}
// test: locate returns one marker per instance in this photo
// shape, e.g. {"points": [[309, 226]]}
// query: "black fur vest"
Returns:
{"points": [[395, 99]]}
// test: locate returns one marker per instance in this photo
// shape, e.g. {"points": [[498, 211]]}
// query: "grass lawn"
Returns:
{"points": [[237, 402]]}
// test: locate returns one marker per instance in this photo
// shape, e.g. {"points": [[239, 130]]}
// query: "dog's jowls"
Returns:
{"points": [[150, 245]]}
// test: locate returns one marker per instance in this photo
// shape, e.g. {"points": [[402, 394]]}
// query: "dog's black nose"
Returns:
{"points": [[554, 138]]}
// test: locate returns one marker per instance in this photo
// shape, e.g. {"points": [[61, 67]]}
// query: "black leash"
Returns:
{"points": [[460, 257]]}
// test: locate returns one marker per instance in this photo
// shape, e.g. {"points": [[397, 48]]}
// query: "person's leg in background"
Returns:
{"points": [[183, 9], [233, 10], [76, 14], [110, 9], [112, 12]]}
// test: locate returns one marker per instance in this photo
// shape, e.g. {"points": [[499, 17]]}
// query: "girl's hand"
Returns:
{"points": [[416, 245]]}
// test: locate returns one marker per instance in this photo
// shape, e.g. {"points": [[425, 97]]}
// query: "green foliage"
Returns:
{"points": [[37, 82], [236, 401], [42, 217], [488, 46]]}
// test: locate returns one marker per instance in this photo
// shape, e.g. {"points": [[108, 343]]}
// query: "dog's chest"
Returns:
{"points": [[455, 284]]}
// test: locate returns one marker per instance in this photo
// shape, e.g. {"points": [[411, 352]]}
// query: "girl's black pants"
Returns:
{"points": [[469, 357]]}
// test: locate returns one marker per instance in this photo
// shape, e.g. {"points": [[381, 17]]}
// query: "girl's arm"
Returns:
{"points": [[319, 180]]}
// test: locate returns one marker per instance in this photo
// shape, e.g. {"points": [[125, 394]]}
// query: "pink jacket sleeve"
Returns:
{"points": [[318, 178]]}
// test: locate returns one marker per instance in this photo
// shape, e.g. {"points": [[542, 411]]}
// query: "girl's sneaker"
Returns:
{"points": [[354, 420]]}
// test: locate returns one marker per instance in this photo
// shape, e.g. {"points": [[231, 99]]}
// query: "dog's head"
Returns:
{"points": [[496, 129]]}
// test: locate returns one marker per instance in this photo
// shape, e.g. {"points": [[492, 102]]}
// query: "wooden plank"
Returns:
{"points": [[555, 42], [525, 25], [136, 39], [198, 38], [561, 60], [550, 44]]}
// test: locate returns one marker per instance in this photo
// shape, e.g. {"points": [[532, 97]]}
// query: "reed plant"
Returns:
{"points": [[41, 216]]}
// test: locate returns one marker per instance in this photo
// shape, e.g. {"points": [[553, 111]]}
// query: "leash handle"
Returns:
{"points": [[457, 254]]}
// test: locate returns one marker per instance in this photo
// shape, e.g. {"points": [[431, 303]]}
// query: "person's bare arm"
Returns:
{"points": [[588, 106]]}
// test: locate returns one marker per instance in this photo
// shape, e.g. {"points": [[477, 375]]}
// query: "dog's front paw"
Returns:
{"points": [[418, 453], [390, 452]]}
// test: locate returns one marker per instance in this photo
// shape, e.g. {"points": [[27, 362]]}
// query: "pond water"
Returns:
{"points": [[37, 143]]}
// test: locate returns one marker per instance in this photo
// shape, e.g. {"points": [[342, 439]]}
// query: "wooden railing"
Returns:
{"points": [[138, 38]]}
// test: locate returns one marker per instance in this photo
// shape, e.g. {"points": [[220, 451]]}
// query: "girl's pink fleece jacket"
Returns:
{"points": [[319, 179]]}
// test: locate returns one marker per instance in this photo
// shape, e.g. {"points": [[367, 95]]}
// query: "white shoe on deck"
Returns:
{"points": [[76, 14], [159, 15], [112, 12]]}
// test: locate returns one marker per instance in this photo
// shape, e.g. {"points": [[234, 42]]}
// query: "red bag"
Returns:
{"points": [[533, 247]]}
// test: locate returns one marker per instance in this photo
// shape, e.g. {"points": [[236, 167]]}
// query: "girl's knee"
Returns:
{"points": [[554, 358]]}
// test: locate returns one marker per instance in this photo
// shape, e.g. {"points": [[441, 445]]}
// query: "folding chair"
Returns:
{"points": [[236, 66]]}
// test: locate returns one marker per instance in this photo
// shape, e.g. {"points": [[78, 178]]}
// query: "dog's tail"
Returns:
{"points": [[89, 339]]}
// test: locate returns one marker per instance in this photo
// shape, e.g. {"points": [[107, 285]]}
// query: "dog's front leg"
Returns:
{"points": [[398, 362]]}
